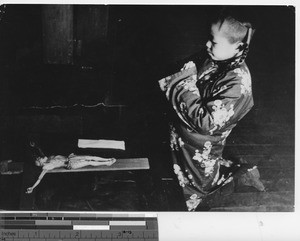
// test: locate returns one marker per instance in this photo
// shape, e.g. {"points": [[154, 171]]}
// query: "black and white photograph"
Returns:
{"points": [[187, 108]]}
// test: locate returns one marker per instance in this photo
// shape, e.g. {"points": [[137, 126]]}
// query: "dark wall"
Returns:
{"points": [[142, 44], [151, 39]]}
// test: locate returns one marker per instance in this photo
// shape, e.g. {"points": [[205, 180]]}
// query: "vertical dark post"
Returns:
{"points": [[92, 24], [58, 34]]}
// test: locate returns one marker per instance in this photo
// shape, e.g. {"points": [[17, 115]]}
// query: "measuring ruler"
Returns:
{"points": [[50, 226]]}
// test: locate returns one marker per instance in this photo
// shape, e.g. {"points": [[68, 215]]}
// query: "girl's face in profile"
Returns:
{"points": [[218, 46]]}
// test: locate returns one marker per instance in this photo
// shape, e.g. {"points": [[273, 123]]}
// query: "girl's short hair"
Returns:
{"points": [[234, 23]]}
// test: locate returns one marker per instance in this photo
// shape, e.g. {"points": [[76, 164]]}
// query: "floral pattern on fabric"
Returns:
{"points": [[225, 134], [190, 84], [180, 142], [206, 112], [245, 80], [181, 178], [193, 202], [221, 89], [204, 159], [220, 115], [226, 163], [230, 179], [175, 141]]}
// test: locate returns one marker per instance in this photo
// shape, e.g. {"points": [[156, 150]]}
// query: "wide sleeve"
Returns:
{"points": [[212, 110]]}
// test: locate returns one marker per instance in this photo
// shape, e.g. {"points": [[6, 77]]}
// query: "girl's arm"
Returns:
{"points": [[207, 115]]}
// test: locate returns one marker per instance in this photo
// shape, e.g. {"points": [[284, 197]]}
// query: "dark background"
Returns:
{"points": [[116, 56], [138, 45]]}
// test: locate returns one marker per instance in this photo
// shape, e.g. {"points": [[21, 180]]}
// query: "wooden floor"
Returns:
{"points": [[265, 137]]}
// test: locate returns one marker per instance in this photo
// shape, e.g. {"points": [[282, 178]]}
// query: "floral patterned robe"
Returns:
{"points": [[207, 113]]}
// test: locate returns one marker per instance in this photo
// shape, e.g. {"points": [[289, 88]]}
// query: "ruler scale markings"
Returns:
{"points": [[64, 234], [148, 234], [86, 234], [45, 233], [138, 239], [33, 233], [127, 234], [23, 234], [116, 234], [126, 228], [85, 227], [106, 234], [138, 234], [54, 234], [52, 239], [65, 239], [21, 239], [96, 234], [9, 233]]}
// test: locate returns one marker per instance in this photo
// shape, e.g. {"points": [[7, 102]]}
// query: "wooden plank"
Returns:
{"points": [[27, 201], [119, 165]]}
